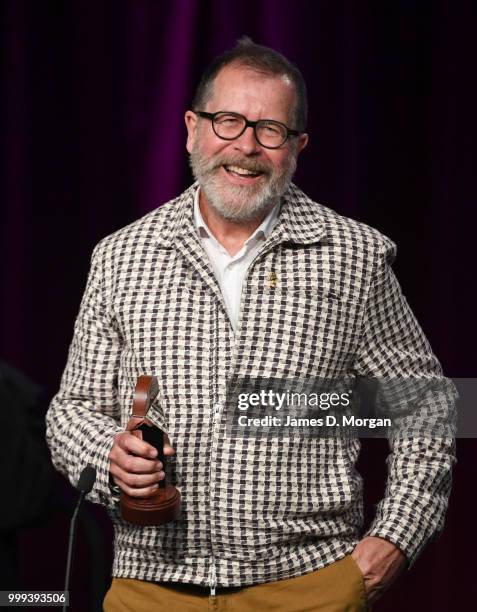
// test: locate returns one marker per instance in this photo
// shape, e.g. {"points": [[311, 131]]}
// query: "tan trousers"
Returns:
{"points": [[338, 587]]}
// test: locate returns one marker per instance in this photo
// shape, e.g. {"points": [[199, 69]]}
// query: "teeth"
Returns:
{"points": [[239, 170]]}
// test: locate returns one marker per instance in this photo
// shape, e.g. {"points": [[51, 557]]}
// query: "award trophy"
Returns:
{"points": [[163, 506]]}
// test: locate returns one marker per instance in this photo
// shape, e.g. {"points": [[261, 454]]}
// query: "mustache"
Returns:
{"points": [[228, 160]]}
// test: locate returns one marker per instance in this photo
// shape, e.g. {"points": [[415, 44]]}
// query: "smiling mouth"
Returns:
{"points": [[241, 172]]}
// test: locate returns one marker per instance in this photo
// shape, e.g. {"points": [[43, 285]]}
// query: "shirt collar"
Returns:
{"points": [[300, 220], [263, 230]]}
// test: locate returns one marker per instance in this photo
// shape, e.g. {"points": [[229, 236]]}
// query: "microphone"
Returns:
{"points": [[84, 486], [86, 480]]}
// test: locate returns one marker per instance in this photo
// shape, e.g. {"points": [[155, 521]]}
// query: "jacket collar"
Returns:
{"points": [[300, 220]]}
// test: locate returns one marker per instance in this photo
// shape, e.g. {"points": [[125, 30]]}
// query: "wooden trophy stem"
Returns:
{"points": [[163, 506]]}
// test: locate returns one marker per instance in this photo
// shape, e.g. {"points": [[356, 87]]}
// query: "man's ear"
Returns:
{"points": [[190, 119], [302, 142]]}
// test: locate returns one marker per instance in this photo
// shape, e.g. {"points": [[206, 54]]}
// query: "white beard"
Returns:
{"points": [[237, 203]]}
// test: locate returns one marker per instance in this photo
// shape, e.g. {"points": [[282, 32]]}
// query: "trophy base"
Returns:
{"points": [[163, 507]]}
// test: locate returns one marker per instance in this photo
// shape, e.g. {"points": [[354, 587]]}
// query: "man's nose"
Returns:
{"points": [[247, 143]]}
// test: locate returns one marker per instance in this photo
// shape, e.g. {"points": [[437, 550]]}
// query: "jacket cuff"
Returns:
{"points": [[403, 527], [105, 491]]}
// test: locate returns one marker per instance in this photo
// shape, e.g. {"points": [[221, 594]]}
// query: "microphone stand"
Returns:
{"points": [[85, 484], [73, 523]]}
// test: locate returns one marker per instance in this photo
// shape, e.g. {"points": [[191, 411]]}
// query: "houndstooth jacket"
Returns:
{"points": [[152, 305]]}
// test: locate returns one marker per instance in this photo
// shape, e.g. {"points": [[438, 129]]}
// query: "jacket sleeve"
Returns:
{"points": [[83, 417], [393, 346]]}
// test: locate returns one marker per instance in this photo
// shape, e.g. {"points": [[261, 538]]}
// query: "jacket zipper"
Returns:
{"points": [[213, 572], [216, 408], [213, 579]]}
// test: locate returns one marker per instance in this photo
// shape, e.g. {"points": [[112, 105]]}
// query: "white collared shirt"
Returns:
{"points": [[229, 269]]}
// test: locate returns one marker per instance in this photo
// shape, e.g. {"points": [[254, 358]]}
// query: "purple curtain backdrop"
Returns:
{"points": [[92, 137]]}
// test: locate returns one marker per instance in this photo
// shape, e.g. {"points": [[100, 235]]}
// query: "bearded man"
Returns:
{"points": [[243, 275]]}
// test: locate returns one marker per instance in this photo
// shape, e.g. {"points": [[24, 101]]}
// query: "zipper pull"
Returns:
{"points": [[213, 581]]}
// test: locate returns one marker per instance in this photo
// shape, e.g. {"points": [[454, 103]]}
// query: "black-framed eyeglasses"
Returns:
{"points": [[269, 133]]}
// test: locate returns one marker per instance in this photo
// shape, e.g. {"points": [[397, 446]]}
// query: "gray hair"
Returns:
{"points": [[259, 58]]}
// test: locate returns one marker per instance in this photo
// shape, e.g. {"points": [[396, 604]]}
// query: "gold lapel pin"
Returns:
{"points": [[272, 280]]}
